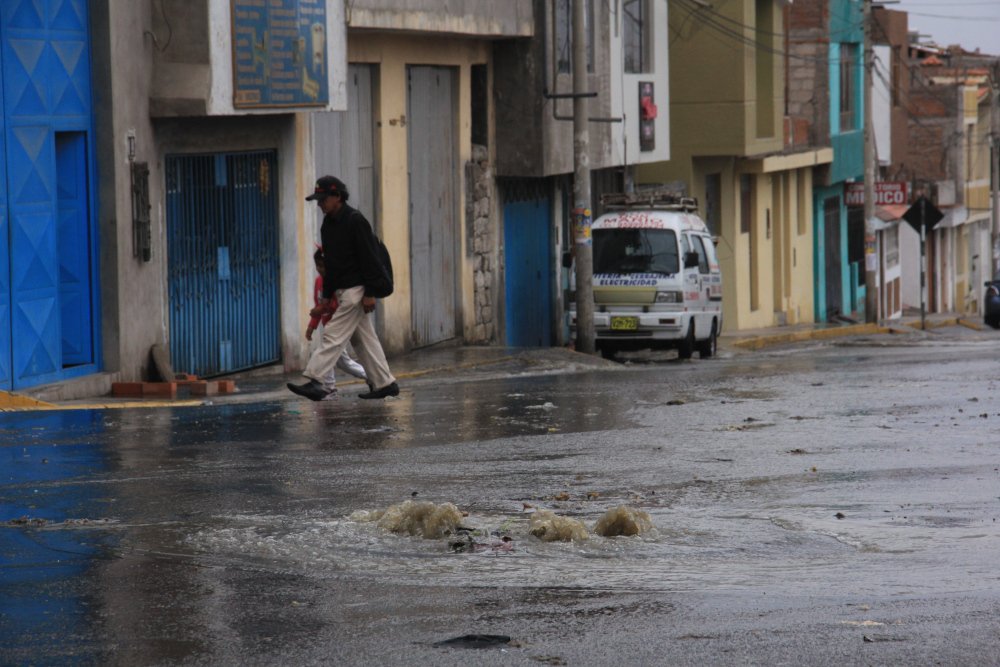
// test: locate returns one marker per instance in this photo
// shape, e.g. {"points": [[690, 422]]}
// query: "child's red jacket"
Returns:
{"points": [[316, 320]]}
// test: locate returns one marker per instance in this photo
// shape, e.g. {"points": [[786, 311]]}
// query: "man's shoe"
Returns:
{"points": [[388, 390], [312, 390]]}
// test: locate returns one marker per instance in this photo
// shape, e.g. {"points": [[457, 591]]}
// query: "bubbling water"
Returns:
{"points": [[623, 520], [546, 526], [417, 518]]}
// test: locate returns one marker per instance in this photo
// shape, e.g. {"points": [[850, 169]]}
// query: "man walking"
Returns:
{"points": [[353, 273]]}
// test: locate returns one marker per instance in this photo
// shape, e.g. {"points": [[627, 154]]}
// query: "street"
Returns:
{"points": [[824, 503]]}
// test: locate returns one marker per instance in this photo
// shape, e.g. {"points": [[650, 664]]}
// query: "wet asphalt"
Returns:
{"points": [[817, 503]]}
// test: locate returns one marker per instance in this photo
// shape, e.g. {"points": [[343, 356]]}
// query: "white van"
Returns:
{"points": [[657, 282]]}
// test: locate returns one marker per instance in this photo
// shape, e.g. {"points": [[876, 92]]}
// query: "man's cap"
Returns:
{"points": [[329, 185]]}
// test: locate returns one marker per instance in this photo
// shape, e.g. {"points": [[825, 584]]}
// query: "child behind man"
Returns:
{"points": [[345, 363]]}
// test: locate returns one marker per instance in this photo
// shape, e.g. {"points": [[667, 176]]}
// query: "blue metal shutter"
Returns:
{"points": [[528, 272], [223, 269]]}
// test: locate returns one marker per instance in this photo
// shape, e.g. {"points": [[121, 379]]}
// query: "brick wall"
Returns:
{"points": [[932, 130], [808, 95]]}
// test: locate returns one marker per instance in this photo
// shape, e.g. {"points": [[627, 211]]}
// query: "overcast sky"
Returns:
{"points": [[971, 23]]}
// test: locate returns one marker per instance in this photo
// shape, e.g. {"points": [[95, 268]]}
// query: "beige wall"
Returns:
{"points": [[777, 287], [392, 54], [783, 263]]}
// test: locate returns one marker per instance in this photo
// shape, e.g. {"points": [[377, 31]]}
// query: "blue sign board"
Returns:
{"points": [[279, 53]]}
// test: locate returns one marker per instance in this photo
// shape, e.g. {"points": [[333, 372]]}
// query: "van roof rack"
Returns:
{"points": [[667, 200]]}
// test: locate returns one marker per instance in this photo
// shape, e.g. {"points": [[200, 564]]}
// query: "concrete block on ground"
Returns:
{"points": [[127, 389], [203, 388], [159, 390]]}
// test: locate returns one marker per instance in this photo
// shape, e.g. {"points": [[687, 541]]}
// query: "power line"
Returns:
{"points": [[977, 19]]}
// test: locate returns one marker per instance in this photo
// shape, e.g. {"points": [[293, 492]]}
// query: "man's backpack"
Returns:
{"points": [[383, 288]]}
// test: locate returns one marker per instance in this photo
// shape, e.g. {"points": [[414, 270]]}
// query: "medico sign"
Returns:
{"points": [[887, 193]]}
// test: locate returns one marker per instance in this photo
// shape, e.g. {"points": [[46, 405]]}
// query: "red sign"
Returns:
{"points": [[887, 193]]}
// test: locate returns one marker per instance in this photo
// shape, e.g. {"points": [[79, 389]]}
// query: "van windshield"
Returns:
{"points": [[635, 251]]}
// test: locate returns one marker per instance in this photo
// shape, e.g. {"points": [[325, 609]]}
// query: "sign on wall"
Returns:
{"points": [[279, 53], [887, 193]]}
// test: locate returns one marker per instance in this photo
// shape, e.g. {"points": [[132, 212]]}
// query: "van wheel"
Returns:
{"points": [[707, 348], [686, 348], [607, 350]]}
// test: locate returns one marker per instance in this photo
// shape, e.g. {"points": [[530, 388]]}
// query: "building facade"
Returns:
{"points": [[628, 77], [159, 153], [950, 161], [729, 150], [826, 103]]}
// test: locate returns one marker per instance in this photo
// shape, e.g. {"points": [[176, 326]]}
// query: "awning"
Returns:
{"points": [[954, 216], [888, 216]]}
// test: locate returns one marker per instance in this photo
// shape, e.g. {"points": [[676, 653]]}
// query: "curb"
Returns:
{"points": [[11, 402], [810, 334]]}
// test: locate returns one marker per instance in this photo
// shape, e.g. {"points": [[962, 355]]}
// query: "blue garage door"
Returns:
{"points": [[222, 236], [48, 291], [528, 270]]}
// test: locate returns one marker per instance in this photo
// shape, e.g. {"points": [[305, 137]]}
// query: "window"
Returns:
{"points": [[699, 248], [564, 35], [848, 103], [891, 240], [713, 203], [766, 47], [619, 251], [804, 197], [635, 36], [480, 104], [746, 202]]}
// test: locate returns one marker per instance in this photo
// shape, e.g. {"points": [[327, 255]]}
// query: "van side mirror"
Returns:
{"points": [[690, 260], [567, 260]]}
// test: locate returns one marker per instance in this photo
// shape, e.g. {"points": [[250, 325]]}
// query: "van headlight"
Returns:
{"points": [[669, 297]]}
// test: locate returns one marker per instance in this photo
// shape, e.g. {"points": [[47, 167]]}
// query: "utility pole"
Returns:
{"points": [[582, 213], [871, 255]]}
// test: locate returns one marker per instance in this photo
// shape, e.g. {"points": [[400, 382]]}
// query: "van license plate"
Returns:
{"points": [[624, 323]]}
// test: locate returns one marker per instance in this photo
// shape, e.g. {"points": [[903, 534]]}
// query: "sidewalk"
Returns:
{"points": [[756, 339], [454, 362]]}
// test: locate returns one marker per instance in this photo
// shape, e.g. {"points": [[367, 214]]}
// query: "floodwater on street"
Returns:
{"points": [[861, 471]]}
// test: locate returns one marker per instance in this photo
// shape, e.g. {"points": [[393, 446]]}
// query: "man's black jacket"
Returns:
{"points": [[348, 252]]}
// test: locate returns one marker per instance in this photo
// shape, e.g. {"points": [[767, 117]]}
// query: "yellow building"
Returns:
{"points": [[728, 148]]}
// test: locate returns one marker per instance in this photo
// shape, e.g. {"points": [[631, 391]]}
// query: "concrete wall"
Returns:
{"points": [[510, 18], [392, 53], [132, 292], [624, 93], [526, 71], [781, 233], [891, 28], [193, 58]]}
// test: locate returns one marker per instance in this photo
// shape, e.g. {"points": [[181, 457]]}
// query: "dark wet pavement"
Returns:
{"points": [[829, 503]]}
